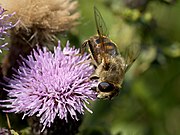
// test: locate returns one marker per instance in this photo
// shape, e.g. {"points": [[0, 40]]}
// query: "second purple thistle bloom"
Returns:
{"points": [[51, 85], [5, 25]]}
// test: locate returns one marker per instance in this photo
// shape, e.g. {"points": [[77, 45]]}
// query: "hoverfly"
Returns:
{"points": [[110, 65]]}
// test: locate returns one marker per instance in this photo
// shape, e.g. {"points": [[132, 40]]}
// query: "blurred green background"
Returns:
{"points": [[149, 102]]}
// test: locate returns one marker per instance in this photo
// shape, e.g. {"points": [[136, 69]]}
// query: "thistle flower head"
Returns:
{"points": [[5, 25], [4, 131], [51, 85]]}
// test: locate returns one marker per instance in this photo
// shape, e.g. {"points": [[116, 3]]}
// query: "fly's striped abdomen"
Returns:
{"points": [[109, 47], [105, 47]]}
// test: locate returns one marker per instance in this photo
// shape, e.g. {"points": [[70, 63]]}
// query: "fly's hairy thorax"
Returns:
{"points": [[115, 72]]}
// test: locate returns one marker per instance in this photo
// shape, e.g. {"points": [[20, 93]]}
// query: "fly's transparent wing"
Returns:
{"points": [[130, 54], [102, 32], [100, 24]]}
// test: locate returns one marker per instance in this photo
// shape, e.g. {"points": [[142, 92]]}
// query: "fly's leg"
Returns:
{"points": [[84, 46]]}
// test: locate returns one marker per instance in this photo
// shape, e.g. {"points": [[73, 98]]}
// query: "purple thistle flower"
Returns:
{"points": [[4, 131], [5, 25], [52, 84]]}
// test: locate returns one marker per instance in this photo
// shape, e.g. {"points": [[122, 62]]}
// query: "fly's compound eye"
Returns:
{"points": [[106, 87]]}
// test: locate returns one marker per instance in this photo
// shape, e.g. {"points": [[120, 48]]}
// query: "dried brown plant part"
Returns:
{"points": [[55, 16], [39, 21]]}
